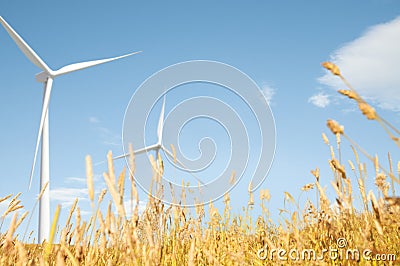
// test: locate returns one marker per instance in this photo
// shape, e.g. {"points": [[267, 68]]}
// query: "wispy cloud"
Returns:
{"points": [[94, 120], [66, 196], [82, 180], [371, 64], [107, 136], [73, 179], [268, 92], [320, 100]]}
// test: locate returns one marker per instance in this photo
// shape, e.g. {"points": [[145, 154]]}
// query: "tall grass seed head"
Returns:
{"points": [[335, 127], [334, 69], [350, 94], [367, 110]]}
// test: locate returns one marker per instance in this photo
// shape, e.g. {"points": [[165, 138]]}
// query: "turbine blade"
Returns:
{"points": [[181, 164], [101, 162], [145, 149], [46, 100], [24, 47], [119, 157], [161, 123], [83, 65]]}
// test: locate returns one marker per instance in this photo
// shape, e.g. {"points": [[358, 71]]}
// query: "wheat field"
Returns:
{"points": [[315, 234]]}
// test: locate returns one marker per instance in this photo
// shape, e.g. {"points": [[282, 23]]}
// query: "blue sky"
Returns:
{"points": [[280, 45]]}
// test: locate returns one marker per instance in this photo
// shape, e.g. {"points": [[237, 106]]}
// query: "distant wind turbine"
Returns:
{"points": [[46, 77], [159, 145]]}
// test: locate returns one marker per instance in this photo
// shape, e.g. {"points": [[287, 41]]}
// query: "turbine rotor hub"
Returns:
{"points": [[42, 77]]}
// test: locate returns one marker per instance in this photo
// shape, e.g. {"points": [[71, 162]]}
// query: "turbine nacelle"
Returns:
{"points": [[42, 76]]}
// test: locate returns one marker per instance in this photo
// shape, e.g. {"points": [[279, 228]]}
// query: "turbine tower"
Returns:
{"points": [[159, 145], [46, 77]]}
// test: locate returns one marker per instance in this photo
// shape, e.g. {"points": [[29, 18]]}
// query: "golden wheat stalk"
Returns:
{"points": [[89, 178], [368, 111], [34, 206], [5, 198], [52, 232], [10, 232], [336, 128], [110, 163], [115, 195]]}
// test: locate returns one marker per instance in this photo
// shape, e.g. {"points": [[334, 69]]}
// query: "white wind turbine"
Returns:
{"points": [[159, 145], [46, 77]]}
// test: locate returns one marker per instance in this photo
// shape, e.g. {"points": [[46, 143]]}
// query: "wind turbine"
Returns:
{"points": [[46, 77], [159, 145]]}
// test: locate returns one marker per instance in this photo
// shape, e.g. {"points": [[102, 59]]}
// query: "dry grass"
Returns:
{"points": [[174, 235]]}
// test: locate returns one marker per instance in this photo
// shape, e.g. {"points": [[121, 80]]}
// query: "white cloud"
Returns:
{"points": [[320, 100], [109, 137], [94, 120], [268, 93], [73, 179], [82, 180], [371, 64], [66, 196]]}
